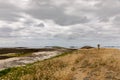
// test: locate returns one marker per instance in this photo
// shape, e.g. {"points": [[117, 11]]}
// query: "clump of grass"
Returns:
{"points": [[4, 72]]}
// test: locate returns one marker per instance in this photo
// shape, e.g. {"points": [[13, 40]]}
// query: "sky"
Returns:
{"points": [[25, 23]]}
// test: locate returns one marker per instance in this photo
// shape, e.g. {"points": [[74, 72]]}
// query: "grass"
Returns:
{"points": [[83, 64], [4, 72]]}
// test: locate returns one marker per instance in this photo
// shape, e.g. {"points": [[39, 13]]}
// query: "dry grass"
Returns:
{"points": [[84, 64]]}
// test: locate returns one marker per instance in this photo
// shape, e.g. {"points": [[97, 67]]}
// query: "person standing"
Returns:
{"points": [[98, 46]]}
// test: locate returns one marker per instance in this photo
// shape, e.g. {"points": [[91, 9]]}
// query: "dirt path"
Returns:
{"points": [[21, 61]]}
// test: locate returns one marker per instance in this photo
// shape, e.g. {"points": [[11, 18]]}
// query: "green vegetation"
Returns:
{"points": [[4, 72]]}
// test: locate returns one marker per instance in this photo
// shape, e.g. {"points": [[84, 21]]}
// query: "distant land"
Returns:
{"points": [[76, 47]]}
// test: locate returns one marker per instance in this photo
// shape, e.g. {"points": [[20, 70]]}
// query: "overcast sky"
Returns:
{"points": [[59, 22]]}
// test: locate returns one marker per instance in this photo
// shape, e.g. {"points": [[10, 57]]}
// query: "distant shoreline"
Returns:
{"points": [[40, 47]]}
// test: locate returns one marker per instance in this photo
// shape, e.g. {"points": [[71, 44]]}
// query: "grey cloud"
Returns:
{"points": [[57, 14], [5, 32], [116, 20], [8, 12], [59, 17], [105, 13], [40, 25], [106, 9]]}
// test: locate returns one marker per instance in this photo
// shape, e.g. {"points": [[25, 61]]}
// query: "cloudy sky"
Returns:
{"points": [[59, 22]]}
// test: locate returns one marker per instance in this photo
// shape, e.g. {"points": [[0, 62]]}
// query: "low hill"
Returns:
{"points": [[87, 47], [83, 64]]}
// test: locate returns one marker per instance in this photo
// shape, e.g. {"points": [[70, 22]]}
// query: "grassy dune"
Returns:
{"points": [[83, 64]]}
